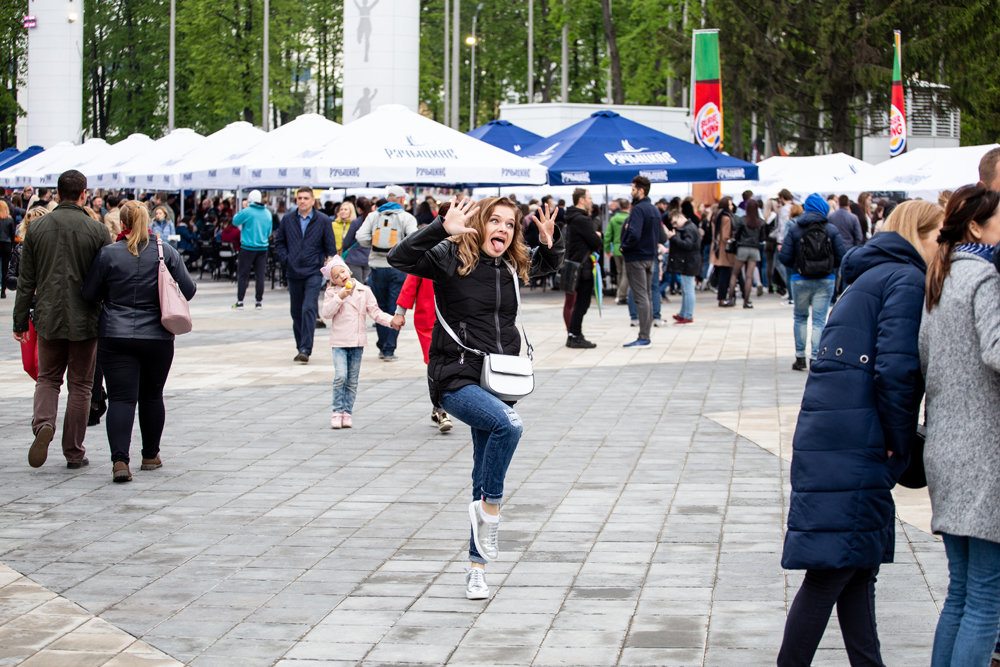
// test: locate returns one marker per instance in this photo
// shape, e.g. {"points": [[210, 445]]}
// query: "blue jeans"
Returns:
{"points": [[687, 297], [496, 430], [655, 295], [386, 285], [762, 266], [814, 293], [346, 368], [967, 630], [706, 254], [303, 296]]}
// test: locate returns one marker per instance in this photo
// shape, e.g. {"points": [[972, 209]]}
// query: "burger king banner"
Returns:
{"points": [[707, 89], [897, 112]]}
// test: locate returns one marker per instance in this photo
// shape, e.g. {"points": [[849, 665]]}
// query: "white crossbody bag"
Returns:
{"points": [[506, 376]]}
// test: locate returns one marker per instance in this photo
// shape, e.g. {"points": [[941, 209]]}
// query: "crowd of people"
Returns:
{"points": [[916, 323]]}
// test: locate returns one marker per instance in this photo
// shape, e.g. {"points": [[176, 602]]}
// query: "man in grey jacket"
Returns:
{"points": [[380, 231]]}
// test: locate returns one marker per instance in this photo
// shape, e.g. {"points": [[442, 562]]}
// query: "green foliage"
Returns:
{"points": [[13, 42], [810, 71]]}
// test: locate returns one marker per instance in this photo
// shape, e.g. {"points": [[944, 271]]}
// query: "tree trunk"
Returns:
{"points": [[617, 93]]}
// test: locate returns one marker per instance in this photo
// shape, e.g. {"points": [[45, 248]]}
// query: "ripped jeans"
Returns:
{"points": [[496, 430]]}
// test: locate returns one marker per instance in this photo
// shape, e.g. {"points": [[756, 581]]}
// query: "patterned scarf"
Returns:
{"points": [[978, 249]]}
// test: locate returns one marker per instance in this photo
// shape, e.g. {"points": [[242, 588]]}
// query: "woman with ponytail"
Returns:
{"points": [[133, 349], [960, 360]]}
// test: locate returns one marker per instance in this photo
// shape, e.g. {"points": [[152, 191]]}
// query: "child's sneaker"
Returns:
{"points": [[345, 420], [336, 420]]}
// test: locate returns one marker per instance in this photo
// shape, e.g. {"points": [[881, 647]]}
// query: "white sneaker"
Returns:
{"points": [[634, 323], [475, 584], [484, 533], [659, 323]]}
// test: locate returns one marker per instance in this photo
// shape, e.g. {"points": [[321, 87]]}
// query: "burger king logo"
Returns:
{"points": [[708, 126], [897, 131]]}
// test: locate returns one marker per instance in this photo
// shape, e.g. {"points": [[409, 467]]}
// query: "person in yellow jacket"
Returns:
{"points": [[345, 216]]}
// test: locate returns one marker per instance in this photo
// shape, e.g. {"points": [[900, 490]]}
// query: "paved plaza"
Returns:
{"points": [[643, 525]]}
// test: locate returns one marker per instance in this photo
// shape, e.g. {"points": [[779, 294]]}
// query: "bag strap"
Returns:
{"points": [[159, 248], [444, 323]]}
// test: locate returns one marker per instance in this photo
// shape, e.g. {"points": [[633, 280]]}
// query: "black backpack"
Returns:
{"points": [[814, 257]]}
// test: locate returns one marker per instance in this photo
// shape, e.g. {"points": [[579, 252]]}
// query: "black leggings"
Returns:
{"points": [[584, 290], [135, 370], [853, 591]]}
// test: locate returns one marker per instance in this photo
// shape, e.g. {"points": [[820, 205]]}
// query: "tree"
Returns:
{"points": [[13, 43]]}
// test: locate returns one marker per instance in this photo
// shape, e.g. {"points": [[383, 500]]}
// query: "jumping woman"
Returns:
{"points": [[474, 255]]}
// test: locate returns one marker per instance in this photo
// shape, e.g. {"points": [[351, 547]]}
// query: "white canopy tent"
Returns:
{"points": [[20, 175], [163, 153], [396, 145], [61, 157], [801, 176], [174, 174], [924, 172], [100, 170], [89, 150], [295, 140], [526, 193]]}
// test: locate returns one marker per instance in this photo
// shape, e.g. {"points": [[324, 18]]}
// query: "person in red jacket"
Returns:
{"points": [[417, 294]]}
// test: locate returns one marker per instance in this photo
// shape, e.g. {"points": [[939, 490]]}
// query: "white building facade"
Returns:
{"points": [[53, 95], [381, 55]]}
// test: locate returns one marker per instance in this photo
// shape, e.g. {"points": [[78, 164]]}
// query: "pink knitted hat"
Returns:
{"points": [[330, 263]]}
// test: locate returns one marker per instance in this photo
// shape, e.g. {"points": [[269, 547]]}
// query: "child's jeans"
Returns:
{"points": [[347, 367]]}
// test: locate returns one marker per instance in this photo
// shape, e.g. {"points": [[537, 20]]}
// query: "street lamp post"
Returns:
{"points": [[267, 57], [170, 82], [472, 86]]}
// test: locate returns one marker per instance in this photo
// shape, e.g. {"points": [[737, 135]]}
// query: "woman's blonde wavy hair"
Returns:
{"points": [[470, 245], [29, 217], [135, 218]]}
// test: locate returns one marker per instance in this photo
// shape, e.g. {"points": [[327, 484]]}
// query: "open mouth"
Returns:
{"points": [[498, 243]]}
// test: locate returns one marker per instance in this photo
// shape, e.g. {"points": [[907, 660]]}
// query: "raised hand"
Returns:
{"points": [[546, 223], [458, 215]]}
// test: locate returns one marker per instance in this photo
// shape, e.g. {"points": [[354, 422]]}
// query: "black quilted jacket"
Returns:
{"points": [[481, 308]]}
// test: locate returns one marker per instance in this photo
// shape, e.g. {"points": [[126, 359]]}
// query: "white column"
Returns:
{"points": [[55, 72], [456, 55], [531, 51], [265, 93]]}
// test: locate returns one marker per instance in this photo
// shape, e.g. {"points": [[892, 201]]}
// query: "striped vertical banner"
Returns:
{"points": [[706, 88], [897, 112]]}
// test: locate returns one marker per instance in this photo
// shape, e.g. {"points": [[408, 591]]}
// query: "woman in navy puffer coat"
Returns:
{"points": [[855, 431]]}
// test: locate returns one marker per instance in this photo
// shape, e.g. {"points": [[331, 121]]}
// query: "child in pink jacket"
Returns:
{"points": [[347, 303]]}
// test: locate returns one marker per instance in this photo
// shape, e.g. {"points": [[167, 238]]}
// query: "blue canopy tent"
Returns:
{"points": [[504, 134], [607, 149], [12, 156]]}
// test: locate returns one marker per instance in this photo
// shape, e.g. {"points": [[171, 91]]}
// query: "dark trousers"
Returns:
{"points": [[723, 273], [386, 285], [584, 292], [136, 370], [5, 251], [853, 591], [248, 259], [75, 359], [303, 296], [569, 300]]}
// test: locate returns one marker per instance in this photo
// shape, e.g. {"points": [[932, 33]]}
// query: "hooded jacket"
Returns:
{"points": [[480, 307], [861, 402], [685, 251], [581, 236], [254, 223], [815, 211]]}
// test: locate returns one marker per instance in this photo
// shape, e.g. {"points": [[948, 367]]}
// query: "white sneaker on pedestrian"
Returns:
{"points": [[485, 533], [634, 323], [475, 584]]}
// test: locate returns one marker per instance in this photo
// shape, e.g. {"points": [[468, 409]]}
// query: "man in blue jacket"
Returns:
{"points": [[639, 239], [303, 241], [254, 223], [811, 285]]}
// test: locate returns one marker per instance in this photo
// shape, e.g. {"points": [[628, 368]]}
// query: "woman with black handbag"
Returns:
{"points": [[856, 433], [477, 258]]}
